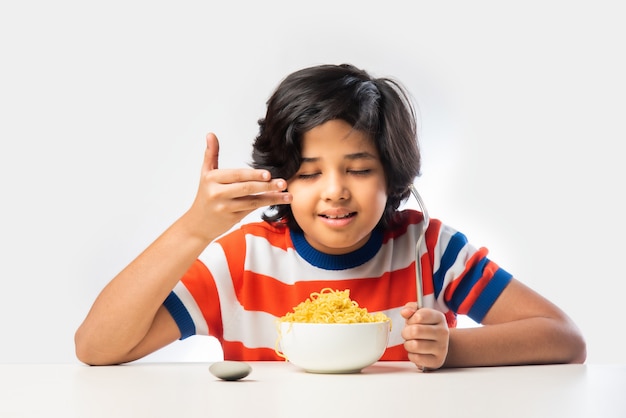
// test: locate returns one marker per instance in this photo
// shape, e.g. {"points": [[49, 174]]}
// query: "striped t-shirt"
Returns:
{"points": [[257, 273]]}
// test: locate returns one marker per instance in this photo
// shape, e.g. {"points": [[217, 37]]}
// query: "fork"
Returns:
{"points": [[418, 264]]}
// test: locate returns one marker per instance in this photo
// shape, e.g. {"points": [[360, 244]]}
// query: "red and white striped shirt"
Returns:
{"points": [[257, 273]]}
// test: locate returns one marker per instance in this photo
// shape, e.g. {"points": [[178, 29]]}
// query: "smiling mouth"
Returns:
{"points": [[347, 215]]}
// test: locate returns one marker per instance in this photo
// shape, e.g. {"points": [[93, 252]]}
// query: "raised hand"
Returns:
{"points": [[225, 196]]}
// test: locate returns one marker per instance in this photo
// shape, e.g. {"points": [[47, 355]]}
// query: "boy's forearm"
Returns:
{"points": [[536, 340], [125, 309]]}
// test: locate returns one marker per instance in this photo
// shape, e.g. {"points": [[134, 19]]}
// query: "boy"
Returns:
{"points": [[334, 158]]}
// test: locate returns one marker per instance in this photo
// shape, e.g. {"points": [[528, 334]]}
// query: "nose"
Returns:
{"points": [[335, 188]]}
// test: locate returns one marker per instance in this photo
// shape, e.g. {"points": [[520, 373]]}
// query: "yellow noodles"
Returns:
{"points": [[331, 307], [328, 307]]}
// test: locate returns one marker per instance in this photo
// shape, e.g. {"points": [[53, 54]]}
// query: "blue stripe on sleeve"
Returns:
{"points": [[180, 314], [466, 284], [456, 244], [490, 293]]}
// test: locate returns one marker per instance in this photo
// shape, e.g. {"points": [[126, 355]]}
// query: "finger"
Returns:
{"points": [[408, 310], [425, 362], [211, 153], [423, 347], [422, 333], [249, 203], [245, 181], [232, 196], [411, 305], [426, 316]]}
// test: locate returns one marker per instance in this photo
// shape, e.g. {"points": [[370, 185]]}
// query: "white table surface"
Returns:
{"points": [[279, 389]]}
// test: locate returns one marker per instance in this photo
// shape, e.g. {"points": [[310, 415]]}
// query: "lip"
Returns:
{"points": [[337, 218]]}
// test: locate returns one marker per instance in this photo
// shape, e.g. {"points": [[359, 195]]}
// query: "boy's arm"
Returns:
{"points": [[522, 327], [162, 332], [127, 320]]}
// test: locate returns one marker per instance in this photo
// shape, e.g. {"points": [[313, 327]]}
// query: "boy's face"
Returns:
{"points": [[339, 192]]}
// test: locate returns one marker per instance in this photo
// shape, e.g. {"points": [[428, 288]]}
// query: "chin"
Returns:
{"points": [[338, 248]]}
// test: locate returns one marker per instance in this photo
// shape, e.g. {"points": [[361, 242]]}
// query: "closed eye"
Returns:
{"points": [[307, 176], [360, 172]]}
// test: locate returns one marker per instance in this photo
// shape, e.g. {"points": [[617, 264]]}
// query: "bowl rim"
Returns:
{"points": [[335, 323]]}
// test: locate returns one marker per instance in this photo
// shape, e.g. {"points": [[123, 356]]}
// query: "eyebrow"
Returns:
{"points": [[355, 156]]}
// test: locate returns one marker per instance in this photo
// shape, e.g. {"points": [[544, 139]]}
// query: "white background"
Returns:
{"points": [[104, 108]]}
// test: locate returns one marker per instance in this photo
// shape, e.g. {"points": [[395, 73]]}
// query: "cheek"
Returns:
{"points": [[300, 200], [380, 196], [382, 202]]}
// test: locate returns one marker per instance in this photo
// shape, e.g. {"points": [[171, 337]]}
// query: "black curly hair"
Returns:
{"points": [[379, 107]]}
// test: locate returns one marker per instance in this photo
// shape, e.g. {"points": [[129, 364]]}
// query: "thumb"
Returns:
{"points": [[211, 153]]}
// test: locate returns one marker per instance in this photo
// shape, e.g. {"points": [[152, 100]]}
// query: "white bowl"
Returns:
{"points": [[334, 348]]}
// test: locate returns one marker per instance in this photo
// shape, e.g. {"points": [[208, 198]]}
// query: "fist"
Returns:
{"points": [[426, 336]]}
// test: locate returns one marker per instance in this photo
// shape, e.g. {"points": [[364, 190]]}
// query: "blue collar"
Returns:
{"points": [[337, 262]]}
